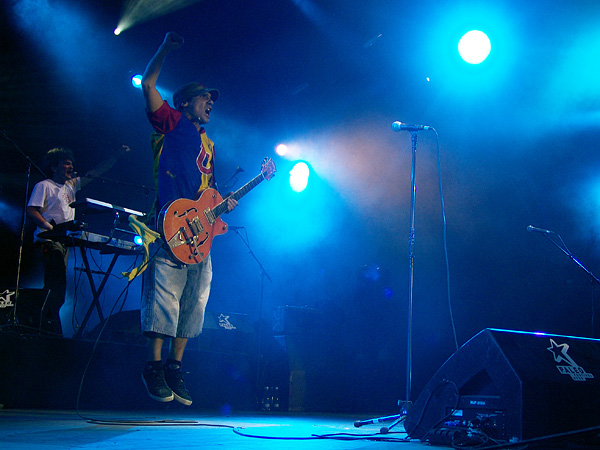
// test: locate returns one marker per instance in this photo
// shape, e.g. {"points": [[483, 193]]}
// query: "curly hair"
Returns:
{"points": [[54, 157]]}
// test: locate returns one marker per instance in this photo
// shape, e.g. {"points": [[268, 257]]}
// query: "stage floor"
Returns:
{"points": [[25, 429], [49, 399], [167, 429]]}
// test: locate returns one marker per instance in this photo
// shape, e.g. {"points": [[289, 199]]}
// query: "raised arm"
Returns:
{"points": [[153, 99], [104, 166]]}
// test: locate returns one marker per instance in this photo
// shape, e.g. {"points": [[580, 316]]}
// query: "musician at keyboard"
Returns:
{"points": [[48, 207]]}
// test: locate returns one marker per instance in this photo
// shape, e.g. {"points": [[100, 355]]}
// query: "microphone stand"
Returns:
{"points": [[30, 164], [232, 179], [411, 258], [593, 277], [406, 403], [263, 275]]}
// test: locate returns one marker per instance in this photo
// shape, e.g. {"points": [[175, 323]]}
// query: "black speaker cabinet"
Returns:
{"points": [[513, 386], [25, 311]]}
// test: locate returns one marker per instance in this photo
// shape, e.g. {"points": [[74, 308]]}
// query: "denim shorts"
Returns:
{"points": [[174, 296]]}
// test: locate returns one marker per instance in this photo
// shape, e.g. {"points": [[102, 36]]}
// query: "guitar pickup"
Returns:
{"points": [[195, 226], [210, 216]]}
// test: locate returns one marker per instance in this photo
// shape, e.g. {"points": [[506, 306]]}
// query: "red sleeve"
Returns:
{"points": [[164, 119]]}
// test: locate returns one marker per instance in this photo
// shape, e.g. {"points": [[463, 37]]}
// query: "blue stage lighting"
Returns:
{"points": [[281, 149], [474, 47], [137, 240], [136, 81], [299, 176]]}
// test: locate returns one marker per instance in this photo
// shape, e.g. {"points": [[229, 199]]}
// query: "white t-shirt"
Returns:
{"points": [[54, 199]]}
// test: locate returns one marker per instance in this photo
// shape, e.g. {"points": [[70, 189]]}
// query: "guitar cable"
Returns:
{"points": [[445, 238]]}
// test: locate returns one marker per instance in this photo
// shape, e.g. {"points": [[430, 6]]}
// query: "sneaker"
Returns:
{"points": [[174, 379], [154, 380]]}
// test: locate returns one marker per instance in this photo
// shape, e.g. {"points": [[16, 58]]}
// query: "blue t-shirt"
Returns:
{"points": [[186, 159]]}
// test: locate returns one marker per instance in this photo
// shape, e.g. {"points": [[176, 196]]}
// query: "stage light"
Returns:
{"points": [[138, 11], [281, 149], [474, 47], [136, 81], [137, 240], [299, 177], [117, 31]]}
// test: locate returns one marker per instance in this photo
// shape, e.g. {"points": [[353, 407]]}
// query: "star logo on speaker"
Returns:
{"points": [[6, 299], [574, 370], [225, 323]]}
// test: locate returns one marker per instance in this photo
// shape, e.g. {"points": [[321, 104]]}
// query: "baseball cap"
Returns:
{"points": [[189, 90]]}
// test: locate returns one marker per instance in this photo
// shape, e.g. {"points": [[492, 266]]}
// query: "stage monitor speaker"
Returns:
{"points": [[512, 386]]}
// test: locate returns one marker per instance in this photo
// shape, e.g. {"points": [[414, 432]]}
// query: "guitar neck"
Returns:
{"points": [[222, 207]]}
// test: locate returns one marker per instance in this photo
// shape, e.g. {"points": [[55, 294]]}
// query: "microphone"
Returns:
{"points": [[234, 228], [538, 230], [360, 423], [399, 126]]}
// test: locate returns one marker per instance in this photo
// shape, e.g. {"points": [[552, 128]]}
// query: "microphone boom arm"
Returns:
{"points": [[567, 252]]}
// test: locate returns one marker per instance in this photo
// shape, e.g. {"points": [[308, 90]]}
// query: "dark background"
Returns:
{"points": [[517, 144]]}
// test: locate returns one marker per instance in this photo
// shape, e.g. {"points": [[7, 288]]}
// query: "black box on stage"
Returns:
{"points": [[227, 321], [23, 311], [224, 332], [227, 332], [513, 386], [7, 305], [298, 320]]}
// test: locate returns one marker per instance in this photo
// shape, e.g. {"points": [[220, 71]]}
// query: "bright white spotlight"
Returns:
{"points": [[299, 177], [136, 81], [474, 47], [281, 149], [117, 31]]}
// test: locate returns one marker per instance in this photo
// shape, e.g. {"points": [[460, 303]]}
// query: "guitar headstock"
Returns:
{"points": [[267, 168]]}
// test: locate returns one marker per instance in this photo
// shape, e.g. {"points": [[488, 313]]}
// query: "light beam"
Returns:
{"points": [[138, 11]]}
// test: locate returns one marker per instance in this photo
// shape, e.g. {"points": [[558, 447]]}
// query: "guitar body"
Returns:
{"points": [[189, 226]]}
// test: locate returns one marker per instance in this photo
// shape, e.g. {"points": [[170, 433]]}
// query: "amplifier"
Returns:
{"points": [[24, 311], [226, 332], [219, 320], [297, 320]]}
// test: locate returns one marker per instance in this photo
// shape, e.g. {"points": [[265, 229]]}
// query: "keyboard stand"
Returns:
{"points": [[118, 242], [95, 292]]}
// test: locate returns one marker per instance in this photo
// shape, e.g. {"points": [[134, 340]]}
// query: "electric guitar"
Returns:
{"points": [[189, 226]]}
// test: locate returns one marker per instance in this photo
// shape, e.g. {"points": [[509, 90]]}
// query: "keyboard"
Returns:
{"points": [[121, 241]]}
